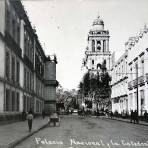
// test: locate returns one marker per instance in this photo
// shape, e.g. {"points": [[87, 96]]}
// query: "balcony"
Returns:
{"points": [[135, 83], [103, 33], [130, 85], [141, 80], [12, 44], [28, 62], [96, 53]]}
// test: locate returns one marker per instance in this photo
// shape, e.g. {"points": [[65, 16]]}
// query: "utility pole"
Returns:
{"points": [[137, 93]]}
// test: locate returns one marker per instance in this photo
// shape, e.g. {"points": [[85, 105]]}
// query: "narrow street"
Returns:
{"points": [[91, 132]]}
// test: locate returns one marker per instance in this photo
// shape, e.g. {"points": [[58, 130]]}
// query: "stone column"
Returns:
{"points": [[104, 45], [107, 45], [96, 45]]}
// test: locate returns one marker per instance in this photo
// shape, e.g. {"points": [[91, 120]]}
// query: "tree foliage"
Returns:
{"points": [[96, 86]]}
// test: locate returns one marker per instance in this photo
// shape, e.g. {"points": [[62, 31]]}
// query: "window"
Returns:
{"points": [[13, 28], [24, 103], [13, 69], [93, 62], [131, 100], [131, 74], [32, 103], [99, 45], [32, 82], [18, 35], [119, 71], [142, 67], [93, 46], [7, 20], [25, 45], [28, 104], [126, 68], [28, 80], [8, 101], [142, 98], [98, 42], [122, 71], [135, 94], [32, 54], [17, 101], [7, 66], [104, 47], [13, 100], [17, 72], [136, 69], [25, 74], [37, 106]]}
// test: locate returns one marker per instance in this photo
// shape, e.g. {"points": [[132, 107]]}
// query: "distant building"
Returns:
{"points": [[27, 75], [119, 84], [124, 80]]}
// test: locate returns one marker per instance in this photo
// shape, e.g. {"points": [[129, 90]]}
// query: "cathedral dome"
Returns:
{"points": [[98, 24]]}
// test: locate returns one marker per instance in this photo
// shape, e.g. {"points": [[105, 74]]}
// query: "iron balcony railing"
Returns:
{"points": [[133, 84], [130, 85], [141, 80]]}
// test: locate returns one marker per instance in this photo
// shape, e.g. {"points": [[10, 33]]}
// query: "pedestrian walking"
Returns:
{"points": [[136, 116], [30, 120], [111, 114], [145, 116], [132, 116]]}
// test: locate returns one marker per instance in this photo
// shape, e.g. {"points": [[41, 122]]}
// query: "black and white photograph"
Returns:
{"points": [[73, 73]]}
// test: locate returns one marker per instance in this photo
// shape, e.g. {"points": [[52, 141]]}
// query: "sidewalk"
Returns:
{"points": [[11, 134], [128, 120]]}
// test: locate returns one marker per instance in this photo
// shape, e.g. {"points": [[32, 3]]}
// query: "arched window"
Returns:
{"points": [[92, 62], [104, 48], [93, 46], [98, 45]]}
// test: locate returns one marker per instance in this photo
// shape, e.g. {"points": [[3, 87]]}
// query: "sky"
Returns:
{"points": [[63, 25]]}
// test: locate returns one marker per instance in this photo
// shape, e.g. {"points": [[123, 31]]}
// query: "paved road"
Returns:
{"points": [[92, 132]]}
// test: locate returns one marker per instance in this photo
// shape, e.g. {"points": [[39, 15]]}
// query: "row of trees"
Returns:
{"points": [[66, 99], [97, 86]]}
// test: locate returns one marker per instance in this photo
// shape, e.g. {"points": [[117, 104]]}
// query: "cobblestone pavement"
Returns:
{"points": [[75, 132]]}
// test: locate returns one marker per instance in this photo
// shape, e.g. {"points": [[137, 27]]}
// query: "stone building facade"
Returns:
{"points": [[119, 84], [27, 75], [136, 75]]}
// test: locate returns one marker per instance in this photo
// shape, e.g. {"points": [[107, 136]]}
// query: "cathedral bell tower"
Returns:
{"points": [[97, 50]]}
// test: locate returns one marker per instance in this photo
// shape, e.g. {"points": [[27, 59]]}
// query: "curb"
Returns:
{"points": [[126, 121], [16, 142]]}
